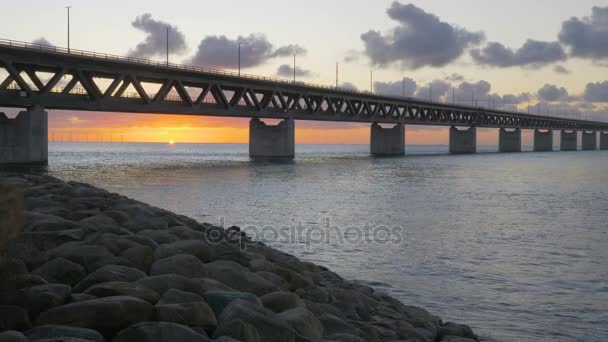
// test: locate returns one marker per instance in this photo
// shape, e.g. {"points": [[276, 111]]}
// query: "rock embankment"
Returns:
{"points": [[89, 265]]}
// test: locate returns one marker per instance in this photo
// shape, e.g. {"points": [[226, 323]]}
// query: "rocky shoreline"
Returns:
{"points": [[89, 265]]}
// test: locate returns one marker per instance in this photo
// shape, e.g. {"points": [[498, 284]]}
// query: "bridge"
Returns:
{"points": [[42, 77]]}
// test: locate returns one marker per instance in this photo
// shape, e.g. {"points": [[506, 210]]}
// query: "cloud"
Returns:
{"points": [[455, 77], [42, 41], [155, 43], [352, 56], [561, 70], [286, 70], [596, 92], [348, 86], [533, 52], [421, 39], [396, 88], [587, 37], [436, 91], [551, 93], [479, 90], [256, 49]]}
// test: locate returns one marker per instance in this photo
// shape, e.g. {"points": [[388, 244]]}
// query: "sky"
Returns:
{"points": [[516, 52]]}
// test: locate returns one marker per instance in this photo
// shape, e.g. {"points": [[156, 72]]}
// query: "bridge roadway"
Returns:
{"points": [[41, 77]]}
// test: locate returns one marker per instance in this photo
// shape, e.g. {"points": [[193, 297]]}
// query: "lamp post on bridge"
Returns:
{"points": [[239, 58], [68, 8]]}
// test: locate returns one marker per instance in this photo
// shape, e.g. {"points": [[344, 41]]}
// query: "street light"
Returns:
{"points": [[239, 58], [167, 45], [294, 65], [68, 8]]}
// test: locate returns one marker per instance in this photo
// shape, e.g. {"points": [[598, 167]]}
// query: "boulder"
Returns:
{"points": [[110, 273], [88, 256], [315, 294], [281, 301], [185, 265], [37, 222], [219, 300], [450, 338], [42, 297], [209, 284], [106, 315], [342, 337], [303, 322], [80, 297], [10, 267], [192, 247], [112, 289], [334, 325], [174, 296], [61, 271], [269, 326], [239, 277], [196, 314], [237, 330], [159, 236], [12, 336], [141, 257], [21, 281], [13, 318], [454, 329], [162, 283], [142, 240], [64, 332], [159, 332]]}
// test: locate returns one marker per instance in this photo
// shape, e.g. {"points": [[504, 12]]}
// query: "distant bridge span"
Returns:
{"points": [[89, 81]]}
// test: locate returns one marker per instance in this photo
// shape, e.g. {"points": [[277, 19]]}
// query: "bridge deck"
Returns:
{"points": [[55, 78]]}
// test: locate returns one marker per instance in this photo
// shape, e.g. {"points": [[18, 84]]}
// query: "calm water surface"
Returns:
{"points": [[515, 245]]}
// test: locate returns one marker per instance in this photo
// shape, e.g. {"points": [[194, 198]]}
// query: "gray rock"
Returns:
{"points": [[100, 223], [106, 315], [140, 257], [162, 283], [110, 273], [342, 337], [80, 297], [219, 300], [61, 331], [61, 271], [303, 322], [13, 318], [456, 339], [454, 329], [185, 265], [209, 284], [239, 277], [88, 256], [159, 236], [333, 325], [227, 339], [21, 281], [270, 327], [112, 289], [315, 294], [196, 314], [174, 296], [10, 267], [12, 336], [159, 332], [281, 301], [192, 247], [237, 330], [37, 222], [42, 297], [142, 240]]}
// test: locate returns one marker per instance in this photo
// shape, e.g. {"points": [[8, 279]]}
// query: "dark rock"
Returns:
{"points": [[13, 318], [192, 247], [159, 236], [142, 240], [162, 283], [80, 297], [303, 322], [106, 315], [269, 326], [274, 278], [61, 271], [237, 330], [182, 264], [281, 301], [333, 325], [174, 296], [219, 300], [456, 339], [88, 256], [315, 294], [110, 273], [209, 284], [112, 289], [12, 336], [239, 277], [318, 309], [343, 337], [159, 332], [10, 267], [63, 332], [37, 222], [453, 329], [21, 281], [140, 257], [197, 314], [42, 297]]}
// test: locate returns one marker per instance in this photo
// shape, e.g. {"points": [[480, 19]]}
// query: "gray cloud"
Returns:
{"points": [[596, 92], [256, 49], [352, 56], [155, 43], [286, 70], [438, 89], [561, 70], [587, 37], [421, 39], [551, 93], [533, 52], [348, 86], [42, 41], [455, 78], [396, 88]]}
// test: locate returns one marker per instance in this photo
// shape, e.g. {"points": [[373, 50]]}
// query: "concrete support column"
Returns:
{"points": [[589, 141], [543, 141], [463, 141], [509, 141], [24, 139], [267, 141], [387, 141], [569, 141], [603, 140]]}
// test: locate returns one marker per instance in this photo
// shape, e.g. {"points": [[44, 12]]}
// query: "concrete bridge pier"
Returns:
{"points": [[589, 140], [387, 141], [603, 140], [569, 141], [543, 141], [509, 141], [463, 141], [271, 141], [24, 139]]}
